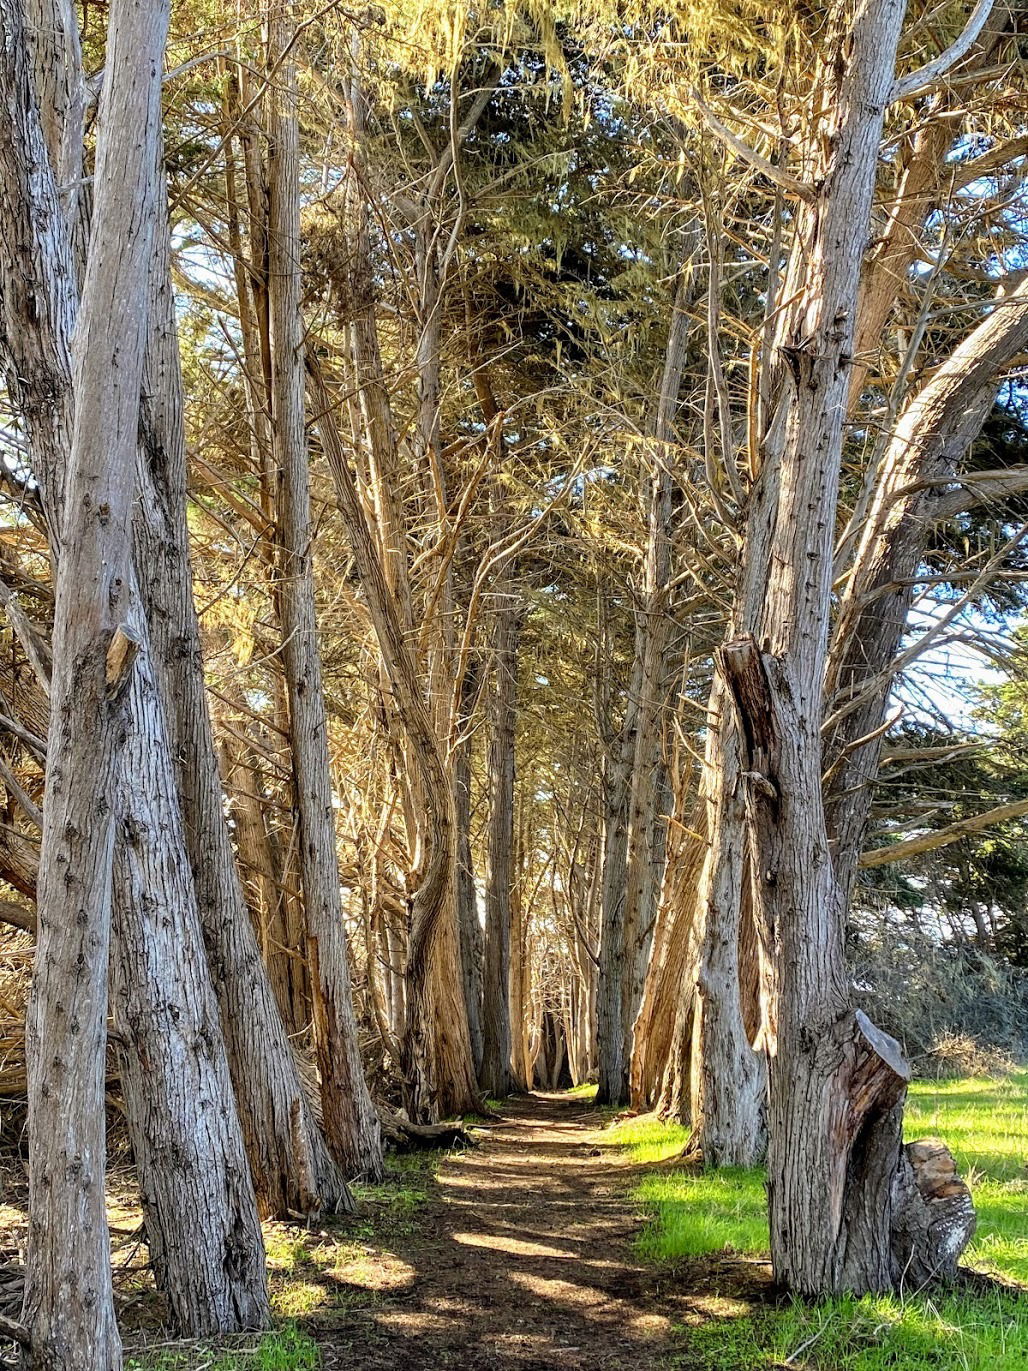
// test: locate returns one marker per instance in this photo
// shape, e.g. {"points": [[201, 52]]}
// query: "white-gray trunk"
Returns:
{"points": [[68, 1298], [292, 1170], [198, 1199]]}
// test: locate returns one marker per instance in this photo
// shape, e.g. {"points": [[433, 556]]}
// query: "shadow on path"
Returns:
{"points": [[522, 1260]]}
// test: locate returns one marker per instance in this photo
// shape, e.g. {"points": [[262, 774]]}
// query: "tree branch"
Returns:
{"points": [[917, 82], [790, 184], [928, 842]]}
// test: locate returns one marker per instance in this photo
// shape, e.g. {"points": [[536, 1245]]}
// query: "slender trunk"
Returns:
{"points": [[612, 1057], [672, 972], [350, 1121], [496, 1077], [437, 1066], [292, 1170], [468, 921]]}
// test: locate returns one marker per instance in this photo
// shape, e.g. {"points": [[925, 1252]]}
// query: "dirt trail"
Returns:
{"points": [[522, 1259]]}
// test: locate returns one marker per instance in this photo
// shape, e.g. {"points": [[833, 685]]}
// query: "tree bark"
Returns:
{"points": [[728, 1078], [611, 1048], [292, 1170], [68, 1297], [835, 1088], [496, 1077], [438, 1075], [351, 1124], [471, 938], [933, 433], [200, 1210]]}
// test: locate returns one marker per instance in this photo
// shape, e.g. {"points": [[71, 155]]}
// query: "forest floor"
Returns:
{"points": [[569, 1241], [519, 1254]]}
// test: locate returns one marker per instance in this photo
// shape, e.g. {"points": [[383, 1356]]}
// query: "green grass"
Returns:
{"points": [[981, 1333], [984, 1123], [285, 1350], [696, 1214], [584, 1091]]}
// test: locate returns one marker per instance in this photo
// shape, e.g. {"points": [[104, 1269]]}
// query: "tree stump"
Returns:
{"points": [[933, 1216]]}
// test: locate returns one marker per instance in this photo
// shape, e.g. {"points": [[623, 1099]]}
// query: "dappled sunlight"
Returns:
{"points": [[515, 1247]]}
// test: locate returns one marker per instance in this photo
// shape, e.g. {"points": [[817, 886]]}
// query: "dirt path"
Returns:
{"points": [[522, 1259]]}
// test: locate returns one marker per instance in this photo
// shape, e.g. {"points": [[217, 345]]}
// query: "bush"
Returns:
{"points": [[955, 1010]]}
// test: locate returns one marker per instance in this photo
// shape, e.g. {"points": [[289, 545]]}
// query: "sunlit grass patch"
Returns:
{"points": [[585, 1091], [693, 1214], [703, 1212], [984, 1122], [958, 1333], [647, 1138]]}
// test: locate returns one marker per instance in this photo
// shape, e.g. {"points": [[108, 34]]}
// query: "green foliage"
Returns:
{"points": [[695, 1214], [287, 1349]]}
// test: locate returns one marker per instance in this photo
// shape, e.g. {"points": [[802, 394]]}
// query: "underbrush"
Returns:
{"points": [[956, 1011], [285, 1350], [695, 1214], [321, 1277]]}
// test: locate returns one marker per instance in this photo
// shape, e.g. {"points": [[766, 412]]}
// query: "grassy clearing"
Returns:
{"points": [[984, 1122]]}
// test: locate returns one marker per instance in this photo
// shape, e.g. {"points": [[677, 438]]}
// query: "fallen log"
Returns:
{"points": [[414, 1137]]}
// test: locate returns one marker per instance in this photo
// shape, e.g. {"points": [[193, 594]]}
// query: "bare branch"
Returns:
{"points": [[928, 842], [790, 184], [917, 82]]}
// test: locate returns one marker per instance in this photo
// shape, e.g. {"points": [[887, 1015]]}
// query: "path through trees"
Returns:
{"points": [[522, 1259]]}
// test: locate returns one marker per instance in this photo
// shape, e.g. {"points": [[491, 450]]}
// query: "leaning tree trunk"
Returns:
{"points": [[496, 1077], [932, 435], [669, 989], [292, 1170], [68, 1296], [351, 1123], [436, 1047]]}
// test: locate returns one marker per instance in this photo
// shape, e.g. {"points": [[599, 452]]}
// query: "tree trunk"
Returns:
{"points": [[496, 1077], [292, 1170], [351, 1124], [612, 1057], [436, 1047], [68, 1297], [836, 1085], [467, 898], [727, 1074], [670, 987], [932, 435], [198, 1199]]}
